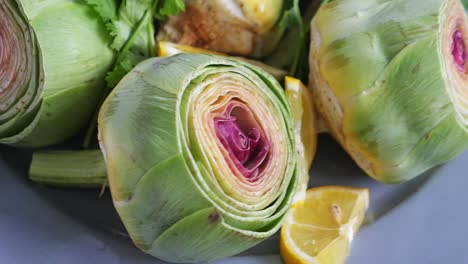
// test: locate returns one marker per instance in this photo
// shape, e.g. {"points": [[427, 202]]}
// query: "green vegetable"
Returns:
{"points": [[291, 52], [250, 28], [175, 132], [53, 59], [166, 8], [131, 25], [83, 169], [390, 79]]}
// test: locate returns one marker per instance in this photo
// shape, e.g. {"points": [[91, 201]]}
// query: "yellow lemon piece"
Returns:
{"points": [[305, 130], [319, 230], [166, 49]]}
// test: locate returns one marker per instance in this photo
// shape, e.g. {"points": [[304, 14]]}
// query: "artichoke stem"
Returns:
{"points": [[81, 169]]}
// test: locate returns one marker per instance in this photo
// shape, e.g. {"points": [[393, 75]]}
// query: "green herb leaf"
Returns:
{"points": [[130, 23], [169, 8]]}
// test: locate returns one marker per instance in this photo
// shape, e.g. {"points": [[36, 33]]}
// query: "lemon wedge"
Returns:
{"points": [[166, 49], [319, 230], [300, 100]]}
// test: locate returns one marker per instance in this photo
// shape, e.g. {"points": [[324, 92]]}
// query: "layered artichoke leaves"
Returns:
{"points": [[390, 80], [200, 155]]}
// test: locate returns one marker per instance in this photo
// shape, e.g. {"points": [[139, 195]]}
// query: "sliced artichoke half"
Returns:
{"points": [[200, 155], [53, 59]]}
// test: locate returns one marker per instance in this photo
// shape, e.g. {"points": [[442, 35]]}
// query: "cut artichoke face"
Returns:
{"points": [[200, 146], [455, 53], [51, 76], [238, 27], [390, 81], [21, 77], [253, 155]]}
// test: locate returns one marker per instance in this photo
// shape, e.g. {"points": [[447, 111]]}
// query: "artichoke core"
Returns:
{"points": [[459, 50], [243, 138]]}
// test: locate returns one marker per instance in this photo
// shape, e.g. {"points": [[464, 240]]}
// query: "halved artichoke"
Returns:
{"points": [[200, 154], [390, 79], [241, 27], [53, 59]]}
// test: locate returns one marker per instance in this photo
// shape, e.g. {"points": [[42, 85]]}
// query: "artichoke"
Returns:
{"points": [[241, 27], [390, 80], [53, 59], [200, 155]]}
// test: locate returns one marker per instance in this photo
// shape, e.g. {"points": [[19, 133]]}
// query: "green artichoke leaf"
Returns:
{"points": [[395, 136]]}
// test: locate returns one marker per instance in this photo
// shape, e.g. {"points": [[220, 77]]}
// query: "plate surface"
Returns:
{"points": [[422, 221]]}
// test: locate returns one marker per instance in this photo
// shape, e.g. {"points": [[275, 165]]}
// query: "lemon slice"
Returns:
{"points": [[319, 230], [305, 129], [166, 49]]}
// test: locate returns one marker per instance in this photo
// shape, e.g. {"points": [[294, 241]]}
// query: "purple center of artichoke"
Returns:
{"points": [[459, 50], [243, 139]]}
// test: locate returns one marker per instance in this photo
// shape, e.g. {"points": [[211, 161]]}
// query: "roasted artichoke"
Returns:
{"points": [[239, 27]]}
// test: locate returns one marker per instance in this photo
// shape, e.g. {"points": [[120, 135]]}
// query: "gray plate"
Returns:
{"points": [[422, 221]]}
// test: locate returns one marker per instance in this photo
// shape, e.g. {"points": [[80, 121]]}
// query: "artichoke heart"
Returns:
{"points": [[240, 27], [53, 59], [200, 155], [390, 79]]}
